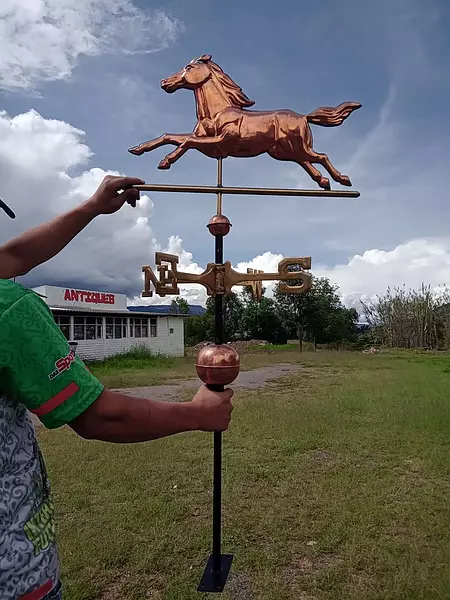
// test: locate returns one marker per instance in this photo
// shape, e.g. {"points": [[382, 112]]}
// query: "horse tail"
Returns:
{"points": [[332, 117]]}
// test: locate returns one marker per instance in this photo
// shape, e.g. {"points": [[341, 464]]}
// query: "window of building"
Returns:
{"points": [[153, 326], [63, 323], [171, 330], [87, 328], [142, 327], [116, 328], [139, 327]]}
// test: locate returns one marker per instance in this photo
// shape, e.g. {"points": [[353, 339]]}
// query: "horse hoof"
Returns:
{"points": [[325, 183], [346, 181], [136, 151], [164, 164]]}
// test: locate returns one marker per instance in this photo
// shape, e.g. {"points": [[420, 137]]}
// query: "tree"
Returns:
{"points": [[180, 306], [292, 309], [328, 320], [317, 316], [196, 329], [409, 318], [261, 321], [233, 308]]}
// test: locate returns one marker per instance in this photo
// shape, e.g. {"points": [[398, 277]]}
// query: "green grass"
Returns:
{"points": [[336, 487], [136, 367]]}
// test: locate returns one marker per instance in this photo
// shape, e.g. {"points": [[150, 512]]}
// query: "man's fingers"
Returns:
{"points": [[121, 183], [130, 195], [228, 394]]}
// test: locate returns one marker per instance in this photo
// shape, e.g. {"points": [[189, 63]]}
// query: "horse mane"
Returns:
{"points": [[232, 90]]}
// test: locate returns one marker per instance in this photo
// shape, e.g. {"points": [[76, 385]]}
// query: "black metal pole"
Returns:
{"points": [[218, 566], [217, 483]]}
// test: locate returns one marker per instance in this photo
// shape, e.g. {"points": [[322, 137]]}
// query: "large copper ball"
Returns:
{"points": [[218, 364], [219, 225]]}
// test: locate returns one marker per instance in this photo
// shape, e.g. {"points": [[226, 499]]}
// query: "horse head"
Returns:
{"points": [[195, 74], [198, 72]]}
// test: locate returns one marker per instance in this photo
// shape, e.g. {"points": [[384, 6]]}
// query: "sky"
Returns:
{"points": [[79, 85]]}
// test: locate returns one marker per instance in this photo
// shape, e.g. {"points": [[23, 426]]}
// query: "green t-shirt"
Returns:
{"points": [[38, 373]]}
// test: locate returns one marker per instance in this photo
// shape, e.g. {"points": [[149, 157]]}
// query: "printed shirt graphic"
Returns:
{"points": [[38, 372]]}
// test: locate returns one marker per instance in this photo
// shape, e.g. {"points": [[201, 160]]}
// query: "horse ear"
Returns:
{"points": [[204, 58]]}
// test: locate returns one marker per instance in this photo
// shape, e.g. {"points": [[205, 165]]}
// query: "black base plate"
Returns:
{"points": [[214, 581]]}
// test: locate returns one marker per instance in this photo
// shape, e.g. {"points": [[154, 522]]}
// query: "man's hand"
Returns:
{"points": [[108, 199], [213, 409]]}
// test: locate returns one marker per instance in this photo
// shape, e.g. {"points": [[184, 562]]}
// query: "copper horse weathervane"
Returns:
{"points": [[225, 127]]}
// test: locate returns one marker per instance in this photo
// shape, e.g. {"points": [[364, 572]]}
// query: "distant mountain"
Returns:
{"points": [[162, 309]]}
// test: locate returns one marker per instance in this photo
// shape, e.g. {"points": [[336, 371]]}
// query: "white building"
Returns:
{"points": [[102, 324]]}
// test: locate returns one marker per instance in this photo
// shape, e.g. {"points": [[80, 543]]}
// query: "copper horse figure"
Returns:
{"points": [[225, 128]]}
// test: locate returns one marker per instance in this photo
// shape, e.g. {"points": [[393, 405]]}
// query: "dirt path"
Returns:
{"points": [[255, 379]]}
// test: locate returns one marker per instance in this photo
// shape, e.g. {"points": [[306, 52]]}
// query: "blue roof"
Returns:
{"points": [[162, 309]]}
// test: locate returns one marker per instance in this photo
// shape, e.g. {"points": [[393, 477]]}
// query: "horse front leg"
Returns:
{"points": [[202, 144], [167, 138]]}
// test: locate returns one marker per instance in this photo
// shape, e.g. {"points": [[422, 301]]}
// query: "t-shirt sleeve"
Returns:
{"points": [[41, 369]]}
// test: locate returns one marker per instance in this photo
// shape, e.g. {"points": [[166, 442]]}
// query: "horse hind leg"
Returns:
{"points": [[323, 159], [335, 174], [316, 175], [285, 153], [309, 155]]}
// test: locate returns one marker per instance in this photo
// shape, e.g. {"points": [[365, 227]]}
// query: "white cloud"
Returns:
{"points": [[41, 40], [186, 264], [38, 184], [417, 262], [366, 275], [267, 262], [41, 144]]}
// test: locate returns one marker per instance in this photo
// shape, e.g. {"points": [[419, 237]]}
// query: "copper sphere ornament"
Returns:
{"points": [[219, 225], [218, 364]]}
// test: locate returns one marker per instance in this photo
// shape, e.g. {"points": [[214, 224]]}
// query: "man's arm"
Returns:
{"points": [[39, 369], [38, 245], [114, 417]]}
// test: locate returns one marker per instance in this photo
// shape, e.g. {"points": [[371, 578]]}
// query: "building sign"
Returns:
{"points": [[93, 297], [63, 297]]}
